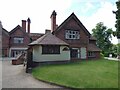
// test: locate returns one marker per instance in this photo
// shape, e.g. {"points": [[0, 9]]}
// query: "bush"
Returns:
{"points": [[101, 55], [106, 54]]}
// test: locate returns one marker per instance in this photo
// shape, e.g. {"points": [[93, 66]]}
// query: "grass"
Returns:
{"points": [[85, 74]]}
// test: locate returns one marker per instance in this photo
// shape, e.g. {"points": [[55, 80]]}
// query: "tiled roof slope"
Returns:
{"points": [[92, 47], [36, 34], [48, 39]]}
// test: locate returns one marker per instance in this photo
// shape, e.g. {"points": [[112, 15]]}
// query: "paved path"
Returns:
{"points": [[115, 59], [14, 76]]}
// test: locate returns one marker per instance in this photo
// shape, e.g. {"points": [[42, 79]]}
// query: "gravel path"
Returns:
{"points": [[14, 76]]}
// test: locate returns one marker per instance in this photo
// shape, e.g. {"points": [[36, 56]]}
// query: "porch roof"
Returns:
{"points": [[92, 47], [48, 39]]}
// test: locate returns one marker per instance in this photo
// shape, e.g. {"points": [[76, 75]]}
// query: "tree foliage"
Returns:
{"points": [[117, 25], [103, 36], [118, 50]]}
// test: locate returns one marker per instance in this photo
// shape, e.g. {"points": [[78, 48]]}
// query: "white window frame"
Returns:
{"points": [[91, 54], [18, 40], [72, 34]]}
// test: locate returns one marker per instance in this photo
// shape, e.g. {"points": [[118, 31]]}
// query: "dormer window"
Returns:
{"points": [[18, 40], [71, 34]]}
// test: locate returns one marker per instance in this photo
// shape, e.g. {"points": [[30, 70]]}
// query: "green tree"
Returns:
{"points": [[104, 37], [114, 50], [117, 25], [118, 50]]}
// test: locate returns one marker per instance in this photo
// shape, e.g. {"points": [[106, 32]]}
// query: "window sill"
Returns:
{"points": [[50, 53]]}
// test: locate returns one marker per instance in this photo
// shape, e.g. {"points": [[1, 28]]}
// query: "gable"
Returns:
{"points": [[18, 34], [72, 22], [73, 32], [18, 31]]}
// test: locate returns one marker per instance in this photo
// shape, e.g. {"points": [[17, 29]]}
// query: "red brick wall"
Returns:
{"points": [[97, 55], [19, 33], [73, 25]]}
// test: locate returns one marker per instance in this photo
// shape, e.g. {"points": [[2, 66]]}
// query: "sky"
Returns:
{"points": [[89, 12]]}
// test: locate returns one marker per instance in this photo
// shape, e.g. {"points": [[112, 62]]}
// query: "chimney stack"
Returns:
{"points": [[28, 27], [24, 25], [53, 20]]}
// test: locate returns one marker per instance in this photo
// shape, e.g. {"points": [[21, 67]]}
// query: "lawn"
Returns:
{"points": [[84, 74]]}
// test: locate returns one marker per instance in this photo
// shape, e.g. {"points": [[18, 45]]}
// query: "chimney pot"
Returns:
{"points": [[28, 27]]}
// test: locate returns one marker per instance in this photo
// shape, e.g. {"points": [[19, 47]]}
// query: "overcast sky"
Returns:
{"points": [[90, 12]]}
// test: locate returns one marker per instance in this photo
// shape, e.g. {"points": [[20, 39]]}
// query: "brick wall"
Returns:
{"points": [[73, 25], [19, 33]]}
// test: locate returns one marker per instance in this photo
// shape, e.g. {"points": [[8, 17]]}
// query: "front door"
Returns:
{"points": [[74, 53], [83, 53]]}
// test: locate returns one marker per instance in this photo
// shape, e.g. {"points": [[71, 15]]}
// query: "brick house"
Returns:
{"points": [[16, 41], [68, 41], [79, 42]]}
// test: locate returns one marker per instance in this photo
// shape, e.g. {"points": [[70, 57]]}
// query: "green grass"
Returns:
{"points": [[84, 74]]}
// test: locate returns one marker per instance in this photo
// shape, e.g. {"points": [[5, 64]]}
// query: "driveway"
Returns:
{"points": [[14, 76]]}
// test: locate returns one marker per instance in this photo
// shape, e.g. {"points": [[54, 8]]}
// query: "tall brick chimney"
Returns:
{"points": [[24, 25], [28, 27], [53, 20]]}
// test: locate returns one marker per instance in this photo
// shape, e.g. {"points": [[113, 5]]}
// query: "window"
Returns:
{"points": [[91, 54], [70, 34], [18, 40], [50, 49], [66, 49]]}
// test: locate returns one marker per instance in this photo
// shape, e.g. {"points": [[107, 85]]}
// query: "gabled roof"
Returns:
{"points": [[73, 16], [13, 30], [5, 32], [16, 28], [48, 39], [93, 47]]}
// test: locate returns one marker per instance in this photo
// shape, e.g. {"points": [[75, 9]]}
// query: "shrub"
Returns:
{"points": [[106, 54], [101, 55]]}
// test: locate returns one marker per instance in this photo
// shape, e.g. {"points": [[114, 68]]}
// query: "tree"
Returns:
{"points": [[114, 50], [104, 37], [117, 25]]}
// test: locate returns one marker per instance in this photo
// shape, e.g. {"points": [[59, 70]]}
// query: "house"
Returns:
{"points": [[5, 42], [16, 41], [68, 41], [50, 48]]}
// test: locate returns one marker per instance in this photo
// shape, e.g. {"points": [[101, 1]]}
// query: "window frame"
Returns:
{"points": [[18, 40], [91, 54], [72, 34], [50, 49]]}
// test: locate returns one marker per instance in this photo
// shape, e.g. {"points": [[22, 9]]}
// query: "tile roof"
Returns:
{"points": [[36, 34], [93, 47], [48, 39]]}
